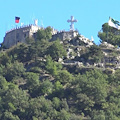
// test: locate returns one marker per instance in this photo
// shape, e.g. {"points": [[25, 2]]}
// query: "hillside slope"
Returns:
{"points": [[59, 80]]}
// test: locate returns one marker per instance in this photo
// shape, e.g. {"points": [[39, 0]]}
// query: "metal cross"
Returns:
{"points": [[72, 23]]}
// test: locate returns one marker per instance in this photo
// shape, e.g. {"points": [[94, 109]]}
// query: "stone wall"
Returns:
{"points": [[20, 34], [64, 35]]}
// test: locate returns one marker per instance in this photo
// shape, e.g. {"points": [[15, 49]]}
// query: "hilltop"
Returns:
{"points": [[61, 77]]}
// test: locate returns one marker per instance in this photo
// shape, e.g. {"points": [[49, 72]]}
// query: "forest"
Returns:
{"points": [[35, 86]]}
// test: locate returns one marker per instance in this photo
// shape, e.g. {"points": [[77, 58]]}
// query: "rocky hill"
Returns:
{"points": [[83, 53], [62, 77]]}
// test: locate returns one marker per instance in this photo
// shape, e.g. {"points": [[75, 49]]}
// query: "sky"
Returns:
{"points": [[91, 14]]}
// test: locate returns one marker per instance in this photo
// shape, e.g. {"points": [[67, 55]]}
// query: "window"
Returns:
{"points": [[25, 35], [17, 36]]}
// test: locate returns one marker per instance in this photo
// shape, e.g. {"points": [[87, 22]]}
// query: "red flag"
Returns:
{"points": [[17, 19]]}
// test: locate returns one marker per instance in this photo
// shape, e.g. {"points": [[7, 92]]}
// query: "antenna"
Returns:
{"points": [[36, 22], [22, 24], [42, 22], [92, 39], [33, 18]]}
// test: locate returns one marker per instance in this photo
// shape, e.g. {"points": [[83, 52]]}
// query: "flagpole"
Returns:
{"points": [[107, 37], [107, 33], [15, 34], [108, 29], [107, 41], [16, 21]]}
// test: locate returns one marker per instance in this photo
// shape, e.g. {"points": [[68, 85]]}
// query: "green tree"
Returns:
{"points": [[64, 77], [15, 69], [116, 78], [56, 103], [109, 34], [15, 100], [96, 85], [94, 54], [46, 87], [38, 49], [19, 52], [90, 90], [58, 86], [51, 66], [33, 52], [42, 46], [3, 83], [4, 59], [48, 31], [44, 33], [98, 115], [30, 40], [63, 115], [9, 116], [84, 102], [32, 81], [2, 69], [56, 50], [40, 108], [58, 90]]}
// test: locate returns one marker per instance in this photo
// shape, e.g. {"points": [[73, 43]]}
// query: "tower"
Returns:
{"points": [[36, 22]]}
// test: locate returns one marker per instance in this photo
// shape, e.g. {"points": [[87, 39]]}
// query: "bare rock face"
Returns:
{"points": [[108, 45], [81, 40]]}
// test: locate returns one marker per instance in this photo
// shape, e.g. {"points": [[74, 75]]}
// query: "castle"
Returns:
{"points": [[19, 34]]}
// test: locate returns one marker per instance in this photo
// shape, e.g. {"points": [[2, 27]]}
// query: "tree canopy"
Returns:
{"points": [[34, 85], [109, 34]]}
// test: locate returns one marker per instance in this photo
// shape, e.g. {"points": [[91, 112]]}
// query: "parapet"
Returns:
{"points": [[64, 35], [19, 34]]}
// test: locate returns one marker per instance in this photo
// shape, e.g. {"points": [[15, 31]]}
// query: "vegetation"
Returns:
{"points": [[94, 54], [35, 86], [109, 34]]}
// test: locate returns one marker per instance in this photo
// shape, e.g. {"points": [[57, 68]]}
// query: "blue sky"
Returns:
{"points": [[91, 14]]}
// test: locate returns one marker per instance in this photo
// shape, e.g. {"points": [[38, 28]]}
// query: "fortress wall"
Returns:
{"points": [[19, 35], [64, 35]]}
